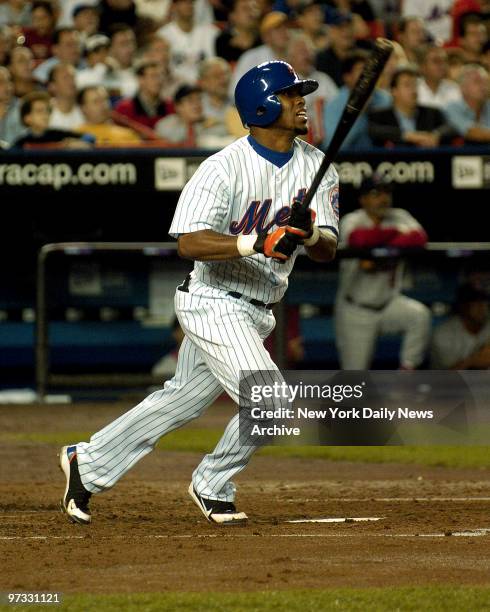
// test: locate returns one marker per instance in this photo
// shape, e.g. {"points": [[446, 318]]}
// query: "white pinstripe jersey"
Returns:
{"points": [[238, 191]]}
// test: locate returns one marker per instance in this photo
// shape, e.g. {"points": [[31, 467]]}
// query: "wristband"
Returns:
{"points": [[245, 244], [314, 238]]}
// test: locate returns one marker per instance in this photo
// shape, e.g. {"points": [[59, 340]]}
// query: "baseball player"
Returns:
{"points": [[369, 301], [238, 218]]}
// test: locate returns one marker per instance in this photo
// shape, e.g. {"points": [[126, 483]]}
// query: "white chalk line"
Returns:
{"points": [[357, 519], [482, 531], [386, 499]]}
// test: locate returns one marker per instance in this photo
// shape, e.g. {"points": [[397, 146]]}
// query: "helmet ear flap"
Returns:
{"points": [[267, 112]]}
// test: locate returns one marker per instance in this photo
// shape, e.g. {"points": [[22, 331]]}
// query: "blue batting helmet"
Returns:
{"points": [[255, 93]]}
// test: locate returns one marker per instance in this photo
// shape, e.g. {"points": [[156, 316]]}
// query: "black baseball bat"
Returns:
{"points": [[356, 102]]}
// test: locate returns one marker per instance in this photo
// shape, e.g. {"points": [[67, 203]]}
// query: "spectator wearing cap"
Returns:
{"points": [[39, 36], [310, 18], [65, 112], [35, 109], [86, 20], [242, 33], [110, 63], [96, 64], [66, 48], [470, 116], [412, 35], [146, 108], [15, 13], [10, 124], [275, 36], [68, 8], [190, 42], [186, 124], [434, 88], [369, 300], [462, 341], [358, 137], [342, 42], [406, 123], [20, 63], [95, 106]]}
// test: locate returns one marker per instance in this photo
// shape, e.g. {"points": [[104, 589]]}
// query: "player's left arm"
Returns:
{"points": [[325, 249], [317, 227], [409, 231]]}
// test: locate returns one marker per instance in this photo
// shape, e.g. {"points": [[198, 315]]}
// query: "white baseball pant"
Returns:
{"points": [[224, 335], [357, 329]]}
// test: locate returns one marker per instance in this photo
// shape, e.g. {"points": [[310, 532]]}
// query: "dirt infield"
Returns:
{"points": [[147, 535]]}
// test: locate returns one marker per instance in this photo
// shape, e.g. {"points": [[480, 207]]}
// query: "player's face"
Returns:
{"points": [[376, 203], [293, 116], [477, 312]]}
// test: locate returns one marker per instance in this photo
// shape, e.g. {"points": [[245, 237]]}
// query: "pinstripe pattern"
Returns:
{"points": [[223, 334], [223, 337], [220, 193]]}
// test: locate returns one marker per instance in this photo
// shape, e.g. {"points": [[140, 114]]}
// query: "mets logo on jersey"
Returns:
{"points": [[256, 215], [334, 201]]}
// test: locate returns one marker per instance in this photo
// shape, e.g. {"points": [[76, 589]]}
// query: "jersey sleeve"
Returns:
{"points": [[404, 221], [203, 203], [326, 202], [347, 226], [442, 353]]}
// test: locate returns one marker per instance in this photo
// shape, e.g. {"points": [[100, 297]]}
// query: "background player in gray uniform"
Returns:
{"points": [[369, 301], [462, 341], [238, 218]]}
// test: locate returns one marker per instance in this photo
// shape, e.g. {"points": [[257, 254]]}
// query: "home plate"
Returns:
{"points": [[357, 519]]}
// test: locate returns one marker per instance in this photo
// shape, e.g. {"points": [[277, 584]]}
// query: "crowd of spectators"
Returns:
{"points": [[133, 72]]}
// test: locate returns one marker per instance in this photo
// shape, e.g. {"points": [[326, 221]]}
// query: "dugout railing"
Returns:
{"points": [[438, 253]]}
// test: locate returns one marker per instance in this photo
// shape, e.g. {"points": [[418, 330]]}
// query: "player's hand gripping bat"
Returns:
{"points": [[356, 102]]}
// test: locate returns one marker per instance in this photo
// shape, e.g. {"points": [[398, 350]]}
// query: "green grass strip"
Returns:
{"points": [[433, 599], [204, 440]]}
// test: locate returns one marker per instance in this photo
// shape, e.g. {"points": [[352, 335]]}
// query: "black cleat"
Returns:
{"points": [[220, 512], [76, 497]]}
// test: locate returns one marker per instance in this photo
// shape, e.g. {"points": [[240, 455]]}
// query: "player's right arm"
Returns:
{"points": [[208, 245], [203, 214]]}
